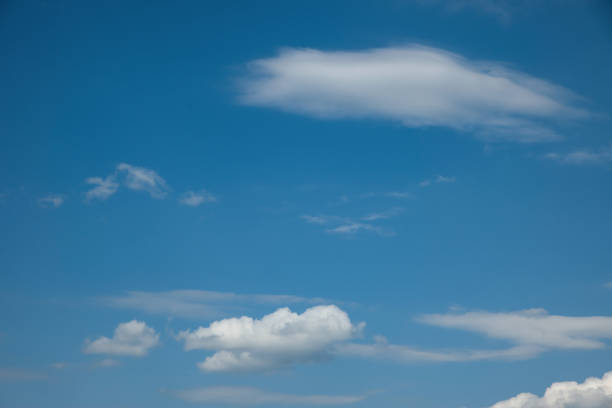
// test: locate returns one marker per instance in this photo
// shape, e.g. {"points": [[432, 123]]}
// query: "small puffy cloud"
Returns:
{"points": [[592, 393], [104, 188], [195, 198], [198, 303], [582, 157], [415, 85], [393, 212], [142, 179], [533, 328], [280, 339], [132, 338], [51, 201], [254, 396], [347, 226]]}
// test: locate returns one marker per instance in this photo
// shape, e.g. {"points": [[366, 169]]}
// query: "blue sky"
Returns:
{"points": [[390, 204]]}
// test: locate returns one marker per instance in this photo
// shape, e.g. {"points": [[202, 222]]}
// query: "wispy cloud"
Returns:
{"points": [[199, 303], [195, 198], [531, 332], [348, 226], [583, 156], [130, 176], [248, 396], [437, 179], [104, 188], [143, 179], [51, 201], [415, 85], [132, 338], [592, 393]]}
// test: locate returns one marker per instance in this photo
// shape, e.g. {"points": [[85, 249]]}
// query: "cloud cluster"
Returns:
{"points": [[277, 340], [132, 338], [592, 393], [133, 177], [198, 303], [414, 85], [255, 396]]}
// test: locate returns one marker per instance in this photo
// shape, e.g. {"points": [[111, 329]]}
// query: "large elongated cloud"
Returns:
{"points": [[414, 85], [279, 339], [529, 332], [533, 328], [592, 393], [255, 396], [132, 338]]}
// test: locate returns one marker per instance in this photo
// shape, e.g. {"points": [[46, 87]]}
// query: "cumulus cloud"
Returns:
{"points": [[104, 188], [280, 339], [132, 338], [414, 85], [51, 201], [198, 303], [195, 198], [533, 328], [255, 396], [592, 393], [142, 179]]}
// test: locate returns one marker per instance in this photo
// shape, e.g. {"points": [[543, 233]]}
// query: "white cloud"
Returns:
{"points": [[104, 188], [583, 156], [132, 338], [280, 339], [255, 396], [532, 328], [198, 303], [592, 393], [351, 228], [51, 201], [414, 85], [195, 198], [142, 179], [437, 179]]}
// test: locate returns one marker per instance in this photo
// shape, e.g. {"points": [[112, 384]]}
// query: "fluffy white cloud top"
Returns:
{"points": [[414, 85], [255, 396], [132, 338], [592, 393], [279, 339]]}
